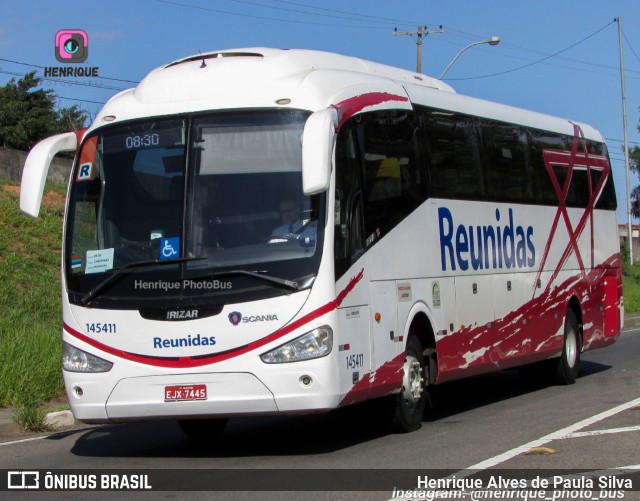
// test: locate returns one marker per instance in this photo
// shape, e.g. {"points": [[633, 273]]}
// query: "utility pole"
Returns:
{"points": [[422, 30], [626, 139]]}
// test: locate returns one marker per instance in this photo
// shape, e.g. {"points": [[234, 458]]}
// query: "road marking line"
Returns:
{"points": [[23, 440], [564, 432], [594, 433]]}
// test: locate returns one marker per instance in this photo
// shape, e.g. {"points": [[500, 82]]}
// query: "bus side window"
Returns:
{"points": [[504, 150], [395, 183], [607, 200], [348, 221], [454, 162]]}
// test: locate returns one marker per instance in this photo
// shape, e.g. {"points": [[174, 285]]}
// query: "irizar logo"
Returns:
{"points": [[484, 247], [182, 314]]}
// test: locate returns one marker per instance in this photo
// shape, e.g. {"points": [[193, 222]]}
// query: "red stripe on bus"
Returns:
{"points": [[211, 358], [349, 107]]}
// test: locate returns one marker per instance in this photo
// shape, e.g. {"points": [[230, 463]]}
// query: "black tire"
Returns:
{"points": [[569, 363], [203, 429], [411, 401]]}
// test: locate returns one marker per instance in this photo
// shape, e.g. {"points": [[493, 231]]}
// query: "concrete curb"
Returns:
{"points": [[53, 420], [632, 321], [59, 419]]}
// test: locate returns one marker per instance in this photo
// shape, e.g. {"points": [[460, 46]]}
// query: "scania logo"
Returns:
{"points": [[235, 317], [182, 314]]}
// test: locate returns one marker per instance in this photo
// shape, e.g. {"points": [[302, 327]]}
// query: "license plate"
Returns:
{"points": [[185, 392]]}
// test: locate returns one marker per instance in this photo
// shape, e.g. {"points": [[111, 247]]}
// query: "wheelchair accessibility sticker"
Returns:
{"points": [[170, 248]]}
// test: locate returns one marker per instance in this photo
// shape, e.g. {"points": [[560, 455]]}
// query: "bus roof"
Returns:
{"points": [[295, 78]]}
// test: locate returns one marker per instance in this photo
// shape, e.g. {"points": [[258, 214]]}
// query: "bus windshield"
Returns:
{"points": [[192, 207]]}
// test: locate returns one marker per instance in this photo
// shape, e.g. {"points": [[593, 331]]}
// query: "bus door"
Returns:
{"points": [[513, 339], [386, 338], [475, 317]]}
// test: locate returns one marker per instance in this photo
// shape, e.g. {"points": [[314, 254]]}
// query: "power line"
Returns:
{"points": [[55, 96], [265, 18], [619, 141], [81, 100], [334, 16], [471, 36], [42, 67], [66, 82], [538, 61], [386, 20], [631, 47]]}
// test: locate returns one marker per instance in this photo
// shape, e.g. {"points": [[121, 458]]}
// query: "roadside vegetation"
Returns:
{"points": [[631, 282], [30, 341]]}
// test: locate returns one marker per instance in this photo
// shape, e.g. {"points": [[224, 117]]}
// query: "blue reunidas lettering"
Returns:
{"points": [[197, 340], [493, 246]]}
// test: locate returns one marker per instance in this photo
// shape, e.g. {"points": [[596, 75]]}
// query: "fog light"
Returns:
{"points": [[78, 391], [306, 380]]}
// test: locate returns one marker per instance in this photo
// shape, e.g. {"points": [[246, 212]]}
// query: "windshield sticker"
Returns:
{"points": [[85, 172], [99, 261], [170, 248], [76, 262]]}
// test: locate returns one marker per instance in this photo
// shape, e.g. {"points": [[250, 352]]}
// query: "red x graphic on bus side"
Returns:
{"points": [[578, 158]]}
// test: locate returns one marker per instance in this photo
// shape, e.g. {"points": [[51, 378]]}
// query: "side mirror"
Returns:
{"points": [[36, 169], [317, 150]]}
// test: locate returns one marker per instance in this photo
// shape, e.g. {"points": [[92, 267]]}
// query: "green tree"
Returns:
{"points": [[29, 114]]}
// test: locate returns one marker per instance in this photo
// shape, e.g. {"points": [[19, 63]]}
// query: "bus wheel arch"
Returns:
{"points": [[422, 328]]}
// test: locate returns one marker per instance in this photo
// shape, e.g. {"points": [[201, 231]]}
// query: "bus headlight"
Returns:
{"points": [[76, 360], [314, 344]]}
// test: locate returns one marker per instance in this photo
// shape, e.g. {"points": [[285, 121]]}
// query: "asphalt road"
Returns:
{"points": [[486, 422]]}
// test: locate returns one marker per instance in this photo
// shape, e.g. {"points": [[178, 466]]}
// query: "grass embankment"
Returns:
{"points": [[30, 340], [631, 284]]}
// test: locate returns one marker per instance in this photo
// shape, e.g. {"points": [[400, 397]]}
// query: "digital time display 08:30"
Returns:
{"points": [[141, 141], [153, 135]]}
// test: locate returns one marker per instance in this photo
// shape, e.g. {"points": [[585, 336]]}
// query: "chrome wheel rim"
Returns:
{"points": [[412, 381], [571, 349]]}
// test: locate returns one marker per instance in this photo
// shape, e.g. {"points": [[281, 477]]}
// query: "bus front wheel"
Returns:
{"points": [[410, 402]]}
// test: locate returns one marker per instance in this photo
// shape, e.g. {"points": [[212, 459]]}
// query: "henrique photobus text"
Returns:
{"points": [[186, 284]]}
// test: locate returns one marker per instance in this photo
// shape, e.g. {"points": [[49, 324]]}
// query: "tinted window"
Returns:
{"points": [[395, 182], [452, 155], [505, 162]]}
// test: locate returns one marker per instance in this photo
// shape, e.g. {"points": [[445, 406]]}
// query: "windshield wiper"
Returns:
{"points": [[136, 264], [259, 274]]}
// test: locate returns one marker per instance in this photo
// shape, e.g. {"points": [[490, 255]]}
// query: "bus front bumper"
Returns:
{"points": [[228, 394]]}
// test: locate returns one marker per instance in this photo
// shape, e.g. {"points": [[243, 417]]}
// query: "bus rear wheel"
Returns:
{"points": [[569, 363], [410, 402], [203, 429]]}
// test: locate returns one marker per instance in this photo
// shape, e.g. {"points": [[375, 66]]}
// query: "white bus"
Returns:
{"points": [[260, 231]]}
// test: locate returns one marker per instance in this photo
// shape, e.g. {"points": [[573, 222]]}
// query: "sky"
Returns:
{"points": [[560, 57]]}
